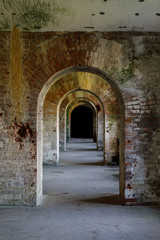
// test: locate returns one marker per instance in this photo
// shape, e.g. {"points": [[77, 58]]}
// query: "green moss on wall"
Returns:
{"points": [[29, 14], [124, 75]]}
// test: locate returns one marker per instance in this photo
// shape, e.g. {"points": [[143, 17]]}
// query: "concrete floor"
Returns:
{"points": [[80, 175], [80, 203]]}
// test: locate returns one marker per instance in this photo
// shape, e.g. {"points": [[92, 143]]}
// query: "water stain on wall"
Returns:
{"points": [[28, 14], [16, 84]]}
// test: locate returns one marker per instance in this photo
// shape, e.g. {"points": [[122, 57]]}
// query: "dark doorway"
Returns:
{"points": [[82, 122]]}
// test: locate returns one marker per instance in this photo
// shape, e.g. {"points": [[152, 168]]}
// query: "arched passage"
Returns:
{"points": [[108, 114], [92, 118], [73, 98], [82, 122]]}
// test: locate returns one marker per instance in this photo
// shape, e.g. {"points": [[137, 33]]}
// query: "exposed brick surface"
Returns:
{"points": [[45, 54]]}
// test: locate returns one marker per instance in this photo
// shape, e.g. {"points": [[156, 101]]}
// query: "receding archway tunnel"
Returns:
{"points": [[81, 158], [82, 122]]}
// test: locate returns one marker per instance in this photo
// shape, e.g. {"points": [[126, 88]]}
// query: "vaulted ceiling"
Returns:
{"points": [[80, 15]]}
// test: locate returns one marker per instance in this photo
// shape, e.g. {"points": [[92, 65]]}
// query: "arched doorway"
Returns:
{"points": [[120, 114], [90, 53], [69, 102], [82, 122]]}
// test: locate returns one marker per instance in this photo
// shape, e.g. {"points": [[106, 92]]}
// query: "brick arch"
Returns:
{"points": [[65, 51], [42, 95], [71, 50], [85, 102], [75, 96], [82, 101], [79, 101], [55, 58], [84, 91]]}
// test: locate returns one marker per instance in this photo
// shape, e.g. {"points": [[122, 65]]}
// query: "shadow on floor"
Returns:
{"points": [[50, 200], [114, 200]]}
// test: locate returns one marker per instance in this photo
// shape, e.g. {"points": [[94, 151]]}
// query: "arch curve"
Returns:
{"points": [[41, 98], [82, 102], [99, 124]]}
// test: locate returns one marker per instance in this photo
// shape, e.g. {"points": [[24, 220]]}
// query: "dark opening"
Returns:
{"points": [[82, 122]]}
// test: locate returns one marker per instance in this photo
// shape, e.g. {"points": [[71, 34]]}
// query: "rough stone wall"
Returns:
{"points": [[131, 59]]}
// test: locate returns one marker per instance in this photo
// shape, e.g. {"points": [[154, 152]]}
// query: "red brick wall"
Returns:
{"points": [[45, 54]]}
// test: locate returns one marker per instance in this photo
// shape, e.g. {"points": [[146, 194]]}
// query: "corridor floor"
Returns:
{"points": [[80, 202], [81, 175]]}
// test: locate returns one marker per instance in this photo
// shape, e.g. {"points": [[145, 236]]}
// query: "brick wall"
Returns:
{"points": [[132, 62]]}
